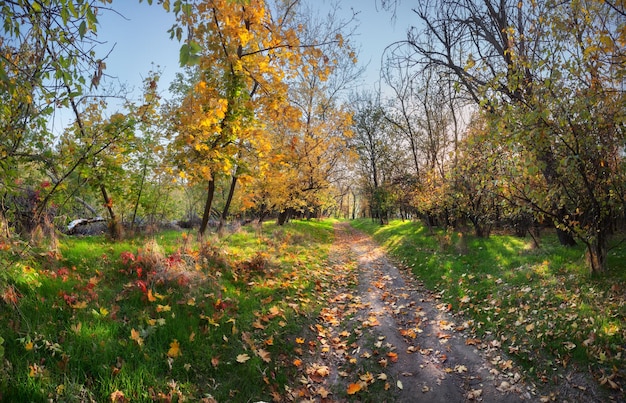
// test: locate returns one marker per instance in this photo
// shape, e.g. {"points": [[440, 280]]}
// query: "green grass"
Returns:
{"points": [[542, 304], [162, 317]]}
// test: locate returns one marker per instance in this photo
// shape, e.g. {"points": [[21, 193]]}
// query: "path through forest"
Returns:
{"points": [[384, 337]]}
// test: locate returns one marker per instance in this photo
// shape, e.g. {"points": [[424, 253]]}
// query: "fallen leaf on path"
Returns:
{"points": [[367, 377], [460, 368], [474, 394], [399, 385], [323, 392]]}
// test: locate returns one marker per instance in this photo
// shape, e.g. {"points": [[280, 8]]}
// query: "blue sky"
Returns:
{"points": [[140, 37], [139, 34]]}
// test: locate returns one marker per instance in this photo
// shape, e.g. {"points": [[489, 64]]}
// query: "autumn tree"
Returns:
{"points": [[315, 147], [242, 52], [550, 75]]}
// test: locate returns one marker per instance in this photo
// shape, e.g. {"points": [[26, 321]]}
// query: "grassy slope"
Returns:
{"points": [[159, 318], [540, 303]]}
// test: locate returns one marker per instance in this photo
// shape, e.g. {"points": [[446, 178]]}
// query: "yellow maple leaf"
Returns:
{"points": [[174, 350], [163, 308], [135, 336], [299, 340], [29, 346]]}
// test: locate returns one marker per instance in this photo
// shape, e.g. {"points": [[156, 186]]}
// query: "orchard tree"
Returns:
{"points": [[550, 75], [373, 144]]}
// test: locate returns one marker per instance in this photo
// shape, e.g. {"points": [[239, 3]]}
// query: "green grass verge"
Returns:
{"points": [[541, 304], [159, 318]]}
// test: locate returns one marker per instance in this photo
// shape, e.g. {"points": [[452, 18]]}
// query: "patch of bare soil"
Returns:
{"points": [[384, 338]]}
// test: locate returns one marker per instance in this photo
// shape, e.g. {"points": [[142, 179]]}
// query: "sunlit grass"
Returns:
{"points": [[88, 324]]}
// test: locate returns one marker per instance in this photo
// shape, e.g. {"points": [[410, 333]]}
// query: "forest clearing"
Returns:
{"points": [[200, 234]]}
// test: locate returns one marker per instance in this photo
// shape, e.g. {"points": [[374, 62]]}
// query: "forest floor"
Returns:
{"points": [[384, 337]]}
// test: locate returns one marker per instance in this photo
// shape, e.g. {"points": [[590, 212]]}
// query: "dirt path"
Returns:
{"points": [[383, 337]]}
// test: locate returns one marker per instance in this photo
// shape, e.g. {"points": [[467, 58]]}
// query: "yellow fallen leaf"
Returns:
{"points": [[299, 340], [323, 392], [241, 358], [79, 305], [174, 350], [265, 355], [28, 346], [274, 311], [135, 336], [460, 369], [354, 388], [399, 384], [151, 297], [530, 327], [117, 397], [322, 370], [382, 376], [163, 308], [367, 377]]}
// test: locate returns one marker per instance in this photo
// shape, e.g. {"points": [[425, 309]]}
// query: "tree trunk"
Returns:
{"points": [[262, 213], [115, 228], [284, 216], [596, 256], [229, 199], [207, 208], [143, 177]]}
